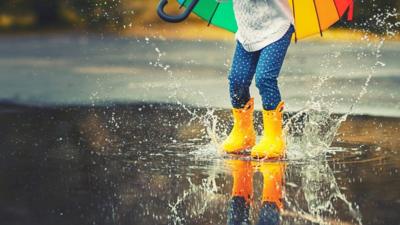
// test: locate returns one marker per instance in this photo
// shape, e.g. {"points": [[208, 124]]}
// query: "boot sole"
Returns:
{"points": [[238, 151], [269, 158]]}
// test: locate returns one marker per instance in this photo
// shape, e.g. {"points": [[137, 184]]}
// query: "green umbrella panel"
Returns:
{"points": [[217, 12]]}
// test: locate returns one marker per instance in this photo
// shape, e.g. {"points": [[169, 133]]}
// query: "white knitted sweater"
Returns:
{"points": [[261, 22]]}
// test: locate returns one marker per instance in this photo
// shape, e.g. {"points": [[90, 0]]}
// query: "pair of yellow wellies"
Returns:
{"points": [[243, 135]]}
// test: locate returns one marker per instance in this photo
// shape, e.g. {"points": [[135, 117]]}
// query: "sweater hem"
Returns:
{"points": [[256, 46]]}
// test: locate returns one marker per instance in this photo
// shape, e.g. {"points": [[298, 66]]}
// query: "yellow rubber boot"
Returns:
{"points": [[243, 135], [272, 144], [273, 175]]}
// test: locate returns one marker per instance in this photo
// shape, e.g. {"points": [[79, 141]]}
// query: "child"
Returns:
{"points": [[264, 34]]}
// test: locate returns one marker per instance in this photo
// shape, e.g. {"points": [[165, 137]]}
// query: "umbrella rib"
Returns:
{"points": [[213, 14], [319, 23], [337, 10], [183, 3], [294, 20]]}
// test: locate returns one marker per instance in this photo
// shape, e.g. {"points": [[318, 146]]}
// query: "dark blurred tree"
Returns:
{"points": [[51, 13], [48, 12], [14, 6]]}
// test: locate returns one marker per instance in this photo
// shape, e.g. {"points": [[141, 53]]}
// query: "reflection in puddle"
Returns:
{"points": [[242, 191], [312, 194]]}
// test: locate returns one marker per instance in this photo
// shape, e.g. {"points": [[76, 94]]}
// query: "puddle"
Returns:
{"points": [[155, 164]]}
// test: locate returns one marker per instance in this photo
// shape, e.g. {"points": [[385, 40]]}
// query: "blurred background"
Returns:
{"points": [[118, 15]]}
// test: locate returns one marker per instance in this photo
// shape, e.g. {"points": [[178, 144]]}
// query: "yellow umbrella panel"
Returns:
{"points": [[314, 16]]}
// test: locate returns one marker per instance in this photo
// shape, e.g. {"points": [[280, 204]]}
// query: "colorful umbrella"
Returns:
{"points": [[310, 16]]}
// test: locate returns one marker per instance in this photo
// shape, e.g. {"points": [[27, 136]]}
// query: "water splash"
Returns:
{"points": [[197, 200], [325, 202], [310, 133], [209, 119], [312, 129]]}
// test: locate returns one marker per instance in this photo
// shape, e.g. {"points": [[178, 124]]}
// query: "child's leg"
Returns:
{"points": [[242, 72], [268, 68], [242, 135]]}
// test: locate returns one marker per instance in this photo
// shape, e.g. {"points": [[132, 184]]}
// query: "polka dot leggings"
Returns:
{"points": [[266, 65]]}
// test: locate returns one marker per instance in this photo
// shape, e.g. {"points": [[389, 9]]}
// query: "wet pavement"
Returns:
{"points": [[159, 164], [72, 68]]}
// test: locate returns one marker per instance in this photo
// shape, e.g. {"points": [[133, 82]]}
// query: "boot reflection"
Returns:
{"points": [[242, 192], [272, 205]]}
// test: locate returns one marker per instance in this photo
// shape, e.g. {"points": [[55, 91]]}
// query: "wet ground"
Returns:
{"points": [[98, 69], [156, 164]]}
